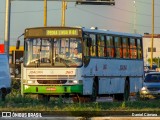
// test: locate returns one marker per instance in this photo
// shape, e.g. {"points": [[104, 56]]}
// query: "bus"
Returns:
{"points": [[108, 63]]}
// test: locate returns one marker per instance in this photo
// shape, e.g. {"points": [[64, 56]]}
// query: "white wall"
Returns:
{"points": [[147, 43]]}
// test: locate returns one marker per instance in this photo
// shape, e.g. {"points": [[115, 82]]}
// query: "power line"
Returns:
{"points": [[112, 18], [147, 3], [74, 6], [133, 12], [31, 11], [91, 12], [35, 11], [95, 14]]}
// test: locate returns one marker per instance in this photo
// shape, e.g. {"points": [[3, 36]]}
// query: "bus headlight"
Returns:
{"points": [[75, 81], [30, 81], [26, 87]]}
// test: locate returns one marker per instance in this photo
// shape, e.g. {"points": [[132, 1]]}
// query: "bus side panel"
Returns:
{"points": [[117, 85], [114, 67], [111, 85], [104, 85], [112, 74], [87, 86]]}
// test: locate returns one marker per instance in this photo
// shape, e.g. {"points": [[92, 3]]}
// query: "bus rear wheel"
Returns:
{"points": [[123, 96], [126, 91], [93, 97]]}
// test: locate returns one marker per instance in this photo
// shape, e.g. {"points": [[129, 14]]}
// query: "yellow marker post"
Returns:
{"points": [[64, 7], [45, 13], [152, 34]]}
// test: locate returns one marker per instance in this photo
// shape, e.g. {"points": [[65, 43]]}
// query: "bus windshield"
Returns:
{"points": [[65, 52]]}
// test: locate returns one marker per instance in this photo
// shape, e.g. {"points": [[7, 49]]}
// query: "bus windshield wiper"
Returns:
{"points": [[62, 60], [36, 61]]}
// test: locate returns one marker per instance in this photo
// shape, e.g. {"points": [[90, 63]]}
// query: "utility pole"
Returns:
{"points": [[45, 13], [152, 34], [7, 27], [135, 16], [64, 7]]}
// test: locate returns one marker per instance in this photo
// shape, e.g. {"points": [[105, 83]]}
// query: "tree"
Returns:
{"points": [[155, 61]]}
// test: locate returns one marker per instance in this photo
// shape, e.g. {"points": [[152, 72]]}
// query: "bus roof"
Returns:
{"points": [[103, 31], [111, 32]]}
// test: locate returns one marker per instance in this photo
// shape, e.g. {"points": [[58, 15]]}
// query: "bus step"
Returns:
{"points": [[104, 99]]}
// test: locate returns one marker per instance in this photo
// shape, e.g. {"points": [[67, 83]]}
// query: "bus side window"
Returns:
{"points": [[121, 52], [110, 46], [86, 48], [93, 46], [133, 49], [101, 45], [139, 49], [125, 46], [118, 46], [112, 52]]}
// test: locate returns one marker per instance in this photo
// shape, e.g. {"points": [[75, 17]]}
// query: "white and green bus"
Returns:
{"points": [[107, 63]]}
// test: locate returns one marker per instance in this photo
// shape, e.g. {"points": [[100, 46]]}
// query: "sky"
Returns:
{"points": [[125, 16]]}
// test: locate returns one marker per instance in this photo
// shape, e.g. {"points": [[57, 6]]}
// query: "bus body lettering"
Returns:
{"points": [[123, 67], [35, 72], [69, 72]]}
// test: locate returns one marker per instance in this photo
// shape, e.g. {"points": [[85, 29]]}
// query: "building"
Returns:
{"points": [[147, 46], [12, 48]]}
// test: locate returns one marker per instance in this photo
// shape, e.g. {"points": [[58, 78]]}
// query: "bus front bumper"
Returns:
{"points": [[53, 90]]}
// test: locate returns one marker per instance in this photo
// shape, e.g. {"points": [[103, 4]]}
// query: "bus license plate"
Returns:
{"points": [[51, 89]]}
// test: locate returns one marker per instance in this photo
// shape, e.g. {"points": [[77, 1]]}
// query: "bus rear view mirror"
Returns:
{"points": [[89, 42], [17, 44]]}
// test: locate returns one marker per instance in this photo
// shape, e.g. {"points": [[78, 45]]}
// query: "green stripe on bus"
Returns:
{"points": [[53, 89]]}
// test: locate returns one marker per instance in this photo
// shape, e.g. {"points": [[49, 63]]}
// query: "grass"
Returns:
{"points": [[31, 103], [15, 102]]}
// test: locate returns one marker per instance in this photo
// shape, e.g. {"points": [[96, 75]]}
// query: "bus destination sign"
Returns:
{"points": [[72, 32]]}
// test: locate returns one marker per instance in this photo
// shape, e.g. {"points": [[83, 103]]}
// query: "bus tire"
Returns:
{"points": [[93, 97], [75, 99], [118, 97], [43, 98], [85, 99], [126, 91], [81, 99], [46, 98]]}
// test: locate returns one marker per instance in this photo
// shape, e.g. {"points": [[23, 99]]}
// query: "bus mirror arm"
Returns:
{"points": [[89, 42], [18, 42]]}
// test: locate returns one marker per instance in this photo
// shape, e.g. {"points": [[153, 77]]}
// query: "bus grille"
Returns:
{"points": [[52, 77], [51, 81]]}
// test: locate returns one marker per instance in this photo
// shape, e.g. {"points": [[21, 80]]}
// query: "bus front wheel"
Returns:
{"points": [[80, 99], [93, 97], [44, 98], [75, 99]]}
